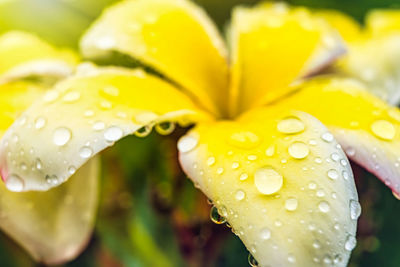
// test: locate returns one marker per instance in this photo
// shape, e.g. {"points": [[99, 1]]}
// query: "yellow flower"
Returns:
{"points": [[259, 150]]}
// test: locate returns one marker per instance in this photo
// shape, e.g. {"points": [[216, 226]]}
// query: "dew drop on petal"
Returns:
{"points": [[291, 204], [113, 134], [327, 137], [216, 217], [270, 151], [71, 170], [350, 243], [61, 136], [71, 97], [265, 233], [355, 209], [98, 126], [383, 129], [333, 174], [240, 195], [243, 176], [298, 150], [210, 161], [165, 128], [15, 183], [187, 143], [324, 206], [40, 122], [290, 125], [267, 180], [85, 152], [244, 140], [252, 261]]}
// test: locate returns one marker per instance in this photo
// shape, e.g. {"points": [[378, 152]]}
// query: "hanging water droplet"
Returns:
{"points": [[15, 183], [216, 217], [324, 206], [144, 131], [350, 243], [187, 143], [244, 140], [40, 122], [291, 204], [355, 209], [61, 136], [383, 129], [252, 261], [267, 180], [240, 195], [298, 150], [333, 174], [85, 152], [327, 137], [265, 233], [290, 125], [165, 128], [113, 134]]}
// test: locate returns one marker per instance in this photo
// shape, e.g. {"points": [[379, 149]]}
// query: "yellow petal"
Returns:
{"points": [[82, 116], [383, 22], [367, 128], [174, 37], [23, 54], [52, 226], [272, 47], [281, 187]]}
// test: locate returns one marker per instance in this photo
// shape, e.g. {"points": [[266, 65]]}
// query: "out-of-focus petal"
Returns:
{"points": [[82, 116], [175, 37], [286, 189]]}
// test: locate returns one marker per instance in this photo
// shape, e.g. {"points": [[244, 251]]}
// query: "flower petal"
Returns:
{"points": [[265, 61], [382, 22], [287, 193], [82, 116], [174, 37], [53, 226], [23, 54], [367, 128]]}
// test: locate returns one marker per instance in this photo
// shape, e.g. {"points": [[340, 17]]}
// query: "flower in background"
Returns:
{"points": [[269, 146]]}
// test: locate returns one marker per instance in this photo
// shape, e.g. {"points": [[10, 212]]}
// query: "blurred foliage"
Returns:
{"points": [[150, 214]]}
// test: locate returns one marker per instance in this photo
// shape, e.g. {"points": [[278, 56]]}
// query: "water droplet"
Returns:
{"points": [[38, 164], [85, 152], [290, 125], [143, 131], [355, 209], [333, 174], [240, 195], [71, 170], [98, 126], [187, 143], [244, 140], [291, 258], [316, 244], [270, 151], [350, 151], [327, 137], [312, 185], [350, 243], [52, 179], [298, 150], [252, 261], [88, 113], [40, 122], [216, 217], [61, 136], [105, 104], [50, 96], [324, 206], [165, 128], [15, 183], [113, 134], [235, 165], [111, 91], [267, 180], [265, 233], [210, 161], [71, 97], [243, 176], [383, 129], [220, 170], [291, 204], [335, 156]]}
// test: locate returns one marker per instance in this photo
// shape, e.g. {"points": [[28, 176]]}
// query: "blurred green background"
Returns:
{"points": [[150, 214]]}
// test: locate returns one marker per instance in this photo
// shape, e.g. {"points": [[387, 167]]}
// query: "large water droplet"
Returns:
{"points": [[291, 204], [383, 129], [187, 143], [165, 128], [350, 243], [113, 134], [290, 125], [215, 216], [252, 261], [324, 206], [355, 209], [143, 131], [244, 140], [267, 180], [61, 136], [298, 150], [15, 183]]}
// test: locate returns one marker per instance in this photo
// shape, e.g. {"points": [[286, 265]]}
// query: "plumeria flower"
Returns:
{"points": [[269, 145]]}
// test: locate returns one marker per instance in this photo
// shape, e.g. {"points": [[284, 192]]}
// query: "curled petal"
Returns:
{"points": [[265, 61], [367, 128], [281, 181], [175, 37], [82, 116], [24, 55]]}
